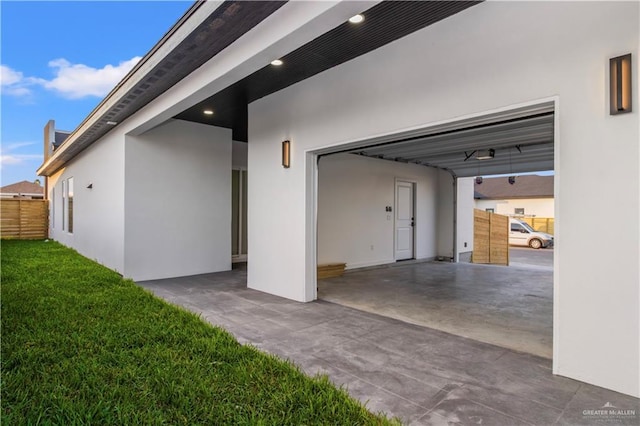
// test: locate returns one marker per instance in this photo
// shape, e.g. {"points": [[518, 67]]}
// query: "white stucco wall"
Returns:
{"points": [[178, 201], [98, 215], [239, 155], [445, 214], [465, 216], [462, 66], [353, 226], [538, 207]]}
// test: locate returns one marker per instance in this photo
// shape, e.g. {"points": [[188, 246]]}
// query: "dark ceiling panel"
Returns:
{"points": [[384, 23]]}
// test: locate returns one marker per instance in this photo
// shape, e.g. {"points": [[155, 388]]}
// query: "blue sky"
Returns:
{"points": [[59, 59]]}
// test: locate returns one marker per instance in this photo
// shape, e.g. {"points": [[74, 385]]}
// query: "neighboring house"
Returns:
{"points": [[23, 190], [528, 196], [356, 142]]}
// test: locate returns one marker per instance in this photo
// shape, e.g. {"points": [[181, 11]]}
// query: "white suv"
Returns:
{"points": [[521, 234]]}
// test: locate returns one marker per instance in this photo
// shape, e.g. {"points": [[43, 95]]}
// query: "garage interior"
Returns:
{"points": [[509, 306]]}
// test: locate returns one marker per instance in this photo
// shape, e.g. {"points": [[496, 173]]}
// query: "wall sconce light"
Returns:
{"points": [[620, 84], [486, 154], [479, 180], [286, 154], [512, 180]]}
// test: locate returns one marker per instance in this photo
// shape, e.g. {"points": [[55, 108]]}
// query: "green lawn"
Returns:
{"points": [[80, 345]]}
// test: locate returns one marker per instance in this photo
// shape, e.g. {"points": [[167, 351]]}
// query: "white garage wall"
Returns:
{"points": [[178, 201], [98, 224], [445, 214], [465, 188], [490, 56], [353, 226]]}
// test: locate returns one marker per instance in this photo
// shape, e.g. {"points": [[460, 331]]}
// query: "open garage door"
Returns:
{"points": [[514, 141], [356, 226]]}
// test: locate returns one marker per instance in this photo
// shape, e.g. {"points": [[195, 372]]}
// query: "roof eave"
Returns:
{"points": [[119, 91]]}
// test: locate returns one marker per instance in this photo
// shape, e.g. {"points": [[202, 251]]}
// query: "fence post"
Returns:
{"points": [[19, 218]]}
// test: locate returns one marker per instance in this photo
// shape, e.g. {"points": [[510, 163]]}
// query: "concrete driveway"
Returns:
{"points": [[423, 376], [509, 306], [528, 257]]}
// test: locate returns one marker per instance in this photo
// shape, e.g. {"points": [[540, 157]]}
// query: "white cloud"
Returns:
{"points": [[9, 76], [14, 83], [15, 145], [9, 158], [14, 159], [76, 81], [72, 81]]}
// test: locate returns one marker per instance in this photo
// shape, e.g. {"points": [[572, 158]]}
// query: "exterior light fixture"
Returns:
{"points": [[512, 180], [478, 180], [620, 84], [276, 62], [485, 154], [286, 154], [356, 19], [90, 186], [208, 112], [112, 123]]}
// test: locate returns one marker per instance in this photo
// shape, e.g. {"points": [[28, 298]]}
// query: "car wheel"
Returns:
{"points": [[535, 243]]}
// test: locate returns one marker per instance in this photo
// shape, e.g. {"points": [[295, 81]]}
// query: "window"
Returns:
{"points": [[516, 227], [490, 210], [64, 202], [518, 211], [70, 205]]}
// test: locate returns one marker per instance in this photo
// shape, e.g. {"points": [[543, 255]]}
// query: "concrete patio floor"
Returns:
{"points": [[421, 375], [509, 306]]}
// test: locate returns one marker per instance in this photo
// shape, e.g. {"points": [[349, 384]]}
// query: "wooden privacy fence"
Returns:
{"points": [[490, 238], [24, 219], [542, 224]]}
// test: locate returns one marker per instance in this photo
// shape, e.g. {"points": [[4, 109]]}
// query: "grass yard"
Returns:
{"points": [[81, 345]]}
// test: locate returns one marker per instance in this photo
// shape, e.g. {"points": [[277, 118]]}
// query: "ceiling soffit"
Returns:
{"points": [[384, 23]]}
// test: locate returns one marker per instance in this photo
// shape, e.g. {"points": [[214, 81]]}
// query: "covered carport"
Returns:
{"points": [[303, 75], [418, 69], [507, 306]]}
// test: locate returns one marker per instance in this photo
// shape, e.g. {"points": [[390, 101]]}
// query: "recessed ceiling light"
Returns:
{"points": [[276, 62], [112, 123], [208, 112], [356, 19]]}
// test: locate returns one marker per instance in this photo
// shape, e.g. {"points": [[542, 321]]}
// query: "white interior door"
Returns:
{"points": [[404, 220]]}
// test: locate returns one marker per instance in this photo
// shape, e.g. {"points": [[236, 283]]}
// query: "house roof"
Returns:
{"points": [[60, 136], [207, 29], [203, 31], [24, 187], [527, 186]]}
